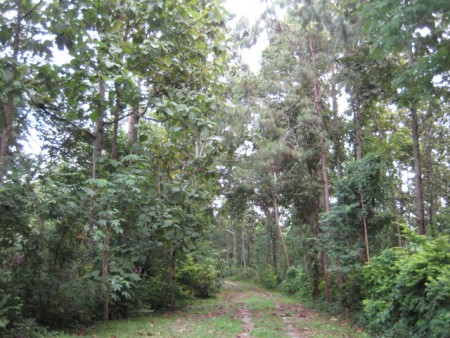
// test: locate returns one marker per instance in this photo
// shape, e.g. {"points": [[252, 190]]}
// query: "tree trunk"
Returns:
{"points": [[430, 178], [243, 250], [8, 111], [235, 248], [280, 233], [326, 199], [366, 233], [117, 110], [96, 153], [336, 138], [98, 138], [132, 134], [305, 264], [316, 282], [416, 155], [418, 173], [358, 133], [273, 245], [338, 160], [105, 274], [323, 161], [358, 156]]}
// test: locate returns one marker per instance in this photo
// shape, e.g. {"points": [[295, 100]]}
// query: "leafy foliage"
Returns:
{"points": [[407, 289], [296, 283]]}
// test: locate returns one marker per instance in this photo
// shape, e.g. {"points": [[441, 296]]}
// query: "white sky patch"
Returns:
{"points": [[252, 10]]}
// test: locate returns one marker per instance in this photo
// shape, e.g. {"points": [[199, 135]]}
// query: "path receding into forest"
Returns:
{"points": [[240, 310]]}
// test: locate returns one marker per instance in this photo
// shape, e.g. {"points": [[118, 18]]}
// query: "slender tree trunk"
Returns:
{"points": [[357, 121], [235, 248], [430, 178], [96, 153], [323, 162], [401, 208], [336, 138], [243, 251], [416, 155], [305, 264], [338, 160], [324, 254], [280, 233], [316, 282], [273, 242], [8, 111], [418, 173], [117, 110], [105, 273], [98, 136], [358, 156], [366, 233], [132, 134]]}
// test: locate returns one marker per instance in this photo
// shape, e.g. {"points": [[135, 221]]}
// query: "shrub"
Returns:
{"points": [[160, 293], [296, 283], [202, 279], [268, 278], [69, 304], [408, 289]]}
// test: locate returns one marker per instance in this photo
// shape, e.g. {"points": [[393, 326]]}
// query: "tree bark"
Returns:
{"points": [[358, 157], [366, 233], [418, 173], [338, 160], [430, 178], [243, 250], [323, 162], [277, 224], [336, 138], [117, 110], [98, 135], [235, 258], [416, 155], [132, 134], [358, 133], [105, 274], [316, 283], [8, 111], [280, 233], [96, 153]]}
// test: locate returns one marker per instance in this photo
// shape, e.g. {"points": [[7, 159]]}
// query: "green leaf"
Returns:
{"points": [[94, 116], [115, 49], [167, 223], [110, 64], [3, 322]]}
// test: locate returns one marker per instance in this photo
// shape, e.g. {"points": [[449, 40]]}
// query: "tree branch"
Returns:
{"points": [[45, 109], [31, 10]]}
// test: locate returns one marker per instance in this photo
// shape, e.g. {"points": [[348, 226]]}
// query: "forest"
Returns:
{"points": [[142, 162]]}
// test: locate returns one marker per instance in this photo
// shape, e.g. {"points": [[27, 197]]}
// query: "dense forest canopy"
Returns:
{"points": [[167, 165]]}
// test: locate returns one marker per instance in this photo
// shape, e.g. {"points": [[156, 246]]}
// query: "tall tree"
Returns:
{"points": [[414, 31]]}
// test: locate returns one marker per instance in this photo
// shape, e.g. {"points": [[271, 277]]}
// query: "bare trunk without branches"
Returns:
{"points": [[8, 110]]}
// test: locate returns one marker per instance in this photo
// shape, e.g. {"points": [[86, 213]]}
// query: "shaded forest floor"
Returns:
{"points": [[239, 310]]}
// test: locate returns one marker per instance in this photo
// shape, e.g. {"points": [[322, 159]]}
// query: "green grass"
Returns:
{"points": [[266, 322], [221, 317]]}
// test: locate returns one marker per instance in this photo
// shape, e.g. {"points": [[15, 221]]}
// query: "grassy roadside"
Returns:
{"points": [[240, 310]]}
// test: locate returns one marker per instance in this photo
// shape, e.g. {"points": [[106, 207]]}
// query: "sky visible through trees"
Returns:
{"points": [[330, 159]]}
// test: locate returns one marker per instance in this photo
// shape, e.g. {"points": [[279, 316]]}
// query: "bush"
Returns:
{"points": [[69, 304], [160, 293], [201, 279], [12, 322], [24, 328], [296, 283], [268, 278], [407, 290]]}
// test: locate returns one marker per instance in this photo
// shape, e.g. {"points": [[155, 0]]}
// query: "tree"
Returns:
{"points": [[401, 33]]}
